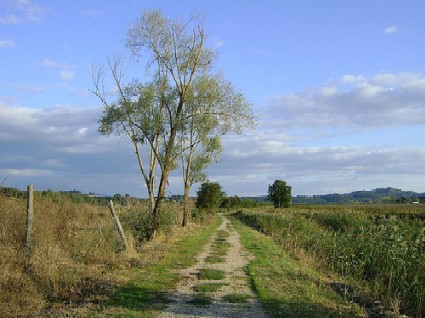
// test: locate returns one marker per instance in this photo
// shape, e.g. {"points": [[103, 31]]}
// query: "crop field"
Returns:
{"points": [[378, 247]]}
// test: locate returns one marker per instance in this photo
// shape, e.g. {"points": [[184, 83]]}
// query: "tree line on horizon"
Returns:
{"points": [[378, 195]]}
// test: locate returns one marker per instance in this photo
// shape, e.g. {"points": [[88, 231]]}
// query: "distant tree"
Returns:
{"points": [[231, 202], [280, 194], [209, 196]]}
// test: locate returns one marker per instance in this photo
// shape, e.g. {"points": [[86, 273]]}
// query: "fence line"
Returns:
{"points": [[118, 224]]}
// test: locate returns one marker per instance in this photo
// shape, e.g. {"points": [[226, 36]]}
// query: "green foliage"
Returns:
{"points": [[200, 215], [230, 203], [380, 247], [144, 294], [182, 112], [138, 223], [280, 194], [290, 287], [209, 196], [214, 259]]}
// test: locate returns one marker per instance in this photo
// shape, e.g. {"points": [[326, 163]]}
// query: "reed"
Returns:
{"points": [[380, 246]]}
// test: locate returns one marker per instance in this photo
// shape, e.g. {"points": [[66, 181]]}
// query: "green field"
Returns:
{"points": [[379, 249]]}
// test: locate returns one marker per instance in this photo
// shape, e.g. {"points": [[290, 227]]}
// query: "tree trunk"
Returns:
{"points": [[186, 206], [158, 203], [168, 163]]}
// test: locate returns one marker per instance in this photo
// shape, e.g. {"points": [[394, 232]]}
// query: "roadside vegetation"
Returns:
{"points": [[314, 261], [288, 286], [77, 263], [377, 249]]}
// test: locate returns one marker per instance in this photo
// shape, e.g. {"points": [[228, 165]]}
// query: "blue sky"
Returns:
{"points": [[338, 87]]}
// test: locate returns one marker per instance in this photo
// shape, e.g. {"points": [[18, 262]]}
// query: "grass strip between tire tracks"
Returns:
{"points": [[290, 288]]}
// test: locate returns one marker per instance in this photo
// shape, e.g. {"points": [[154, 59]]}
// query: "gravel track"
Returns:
{"points": [[185, 301]]}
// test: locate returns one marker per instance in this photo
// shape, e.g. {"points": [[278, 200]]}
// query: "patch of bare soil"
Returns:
{"points": [[230, 296]]}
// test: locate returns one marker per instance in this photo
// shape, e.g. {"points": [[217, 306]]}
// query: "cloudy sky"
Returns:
{"points": [[338, 87]]}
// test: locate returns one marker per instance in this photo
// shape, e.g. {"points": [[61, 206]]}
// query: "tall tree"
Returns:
{"points": [[174, 114], [178, 54], [213, 108]]}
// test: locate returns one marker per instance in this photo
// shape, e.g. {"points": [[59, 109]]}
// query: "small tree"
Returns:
{"points": [[280, 194], [231, 202], [210, 196]]}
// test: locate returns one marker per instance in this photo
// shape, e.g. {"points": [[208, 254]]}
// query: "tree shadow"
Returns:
{"points": [[303, 309], [138, 298]]}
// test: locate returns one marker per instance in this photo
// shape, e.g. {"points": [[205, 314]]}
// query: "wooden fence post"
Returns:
{"points": [[30, 202], [118, 224]]}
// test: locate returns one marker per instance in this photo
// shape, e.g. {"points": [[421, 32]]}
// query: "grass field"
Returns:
{"points": [[314, 261], [77, 259], [289, 287], [380, 248]]}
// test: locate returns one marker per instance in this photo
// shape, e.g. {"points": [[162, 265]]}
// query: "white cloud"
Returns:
{"points": [[315, 169], [33, 12], [59, 147], [67, 75], [65, 71], [390, 29], [10, 19], [21, 11], [218, 43], [348, 134], [90, 13], [355, 101], [29, 89], [54, 64], [25, 172], [60, 125], [7, 43]]}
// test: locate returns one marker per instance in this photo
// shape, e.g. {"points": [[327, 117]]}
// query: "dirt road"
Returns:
{"points": [[203, 293]]}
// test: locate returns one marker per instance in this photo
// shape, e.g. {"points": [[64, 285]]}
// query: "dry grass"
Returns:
{"points": [[73, 247], [77, 264]]}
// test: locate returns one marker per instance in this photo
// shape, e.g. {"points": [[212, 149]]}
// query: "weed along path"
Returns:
{"points": [[217, 286]]}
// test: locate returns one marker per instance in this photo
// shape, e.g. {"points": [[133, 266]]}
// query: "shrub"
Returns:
{"points": [[209, 196]]}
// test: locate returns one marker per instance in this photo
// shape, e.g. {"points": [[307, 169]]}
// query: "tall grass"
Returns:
{"points": [[379, 245], [73, 247]]}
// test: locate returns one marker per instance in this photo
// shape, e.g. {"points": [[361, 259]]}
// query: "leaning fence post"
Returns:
{"points": [[30, 201], [118, 224]]}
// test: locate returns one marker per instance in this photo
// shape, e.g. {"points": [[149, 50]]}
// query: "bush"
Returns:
{"points": [[210, 196], [138, 223]]}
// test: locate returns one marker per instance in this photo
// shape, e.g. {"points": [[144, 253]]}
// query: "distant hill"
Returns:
{"points": [[379, 195]]}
